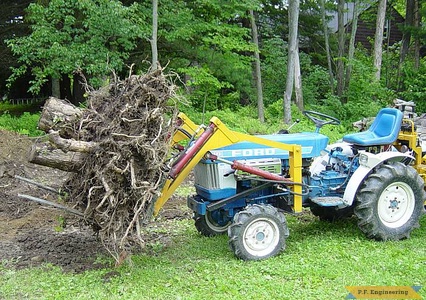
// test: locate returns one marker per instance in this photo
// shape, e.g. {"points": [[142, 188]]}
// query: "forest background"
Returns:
{"points": [[262, 59]]}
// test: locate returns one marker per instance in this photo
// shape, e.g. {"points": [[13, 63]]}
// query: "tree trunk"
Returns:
{"points": [[351, 51], [257, 71], [293, 22], [57, 114], [70, 144], [56, 87], [378, 39], [55, 158], [298, 82], [154, 50], [417, 25], [67, 154], [406, 37], [66, 85], [341, 49], [78, 88], [327, 46]]}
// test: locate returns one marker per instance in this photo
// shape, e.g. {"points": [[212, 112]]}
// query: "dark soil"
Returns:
{"points": [[32, 234]]}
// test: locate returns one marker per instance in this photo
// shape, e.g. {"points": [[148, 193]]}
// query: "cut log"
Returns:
{"points": [[70, 144], [57, 115], [56, 158]]}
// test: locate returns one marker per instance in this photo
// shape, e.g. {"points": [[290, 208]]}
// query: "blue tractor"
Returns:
{"points": [[245, 184]]}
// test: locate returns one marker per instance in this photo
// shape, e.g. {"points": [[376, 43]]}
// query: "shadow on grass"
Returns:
{"points": [[307, 226]]}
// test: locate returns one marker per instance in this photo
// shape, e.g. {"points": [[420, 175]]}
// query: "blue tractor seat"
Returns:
{"points": [[383, 131]]}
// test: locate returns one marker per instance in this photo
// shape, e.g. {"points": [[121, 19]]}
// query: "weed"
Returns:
{"points": [[61, 223]]}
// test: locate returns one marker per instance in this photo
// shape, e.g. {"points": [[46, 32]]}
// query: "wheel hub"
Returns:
{"points": [[261, 237], [396, 204], [393, 204]]}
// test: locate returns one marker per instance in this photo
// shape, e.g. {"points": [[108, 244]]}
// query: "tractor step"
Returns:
{"points": [[328, 201]]}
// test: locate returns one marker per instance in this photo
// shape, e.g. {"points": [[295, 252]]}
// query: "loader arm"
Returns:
{"points": [[217, 135], [187, 128]]}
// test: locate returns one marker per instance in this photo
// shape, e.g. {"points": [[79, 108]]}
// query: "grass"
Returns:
{"points": [[24, 124], [319, 261]]}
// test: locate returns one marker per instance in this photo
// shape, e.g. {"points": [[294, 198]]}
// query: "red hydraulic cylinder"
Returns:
{"points": [[192, 150], [256, 171]]}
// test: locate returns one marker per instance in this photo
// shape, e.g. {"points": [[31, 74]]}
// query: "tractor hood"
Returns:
{"points": [[312, 143]]}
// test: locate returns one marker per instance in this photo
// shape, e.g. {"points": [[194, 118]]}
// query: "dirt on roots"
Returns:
{"points": [[32, 234]]}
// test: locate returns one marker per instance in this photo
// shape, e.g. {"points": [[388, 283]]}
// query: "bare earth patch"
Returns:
{"points": [[32, 234]]}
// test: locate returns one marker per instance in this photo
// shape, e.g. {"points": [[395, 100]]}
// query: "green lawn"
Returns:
{"points": [[319, 261]]}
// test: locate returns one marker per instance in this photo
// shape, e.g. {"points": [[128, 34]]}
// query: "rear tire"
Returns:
{"points": [[390, 202], [208, 224], [258, 232]]}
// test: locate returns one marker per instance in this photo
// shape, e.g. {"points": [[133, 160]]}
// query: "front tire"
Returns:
{"points": [[390, 202], [258, 232]]}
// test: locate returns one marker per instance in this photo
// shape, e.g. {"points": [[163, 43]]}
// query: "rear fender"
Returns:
{"points": [[368, 162]]}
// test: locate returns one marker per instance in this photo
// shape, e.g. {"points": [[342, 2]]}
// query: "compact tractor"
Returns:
{"points": [[244, 183]]}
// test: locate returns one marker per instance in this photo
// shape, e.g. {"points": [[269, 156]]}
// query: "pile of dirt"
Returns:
{"points": [[31, 234]]}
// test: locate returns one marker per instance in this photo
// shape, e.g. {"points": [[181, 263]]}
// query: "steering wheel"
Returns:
{"points": [[320, 119]]}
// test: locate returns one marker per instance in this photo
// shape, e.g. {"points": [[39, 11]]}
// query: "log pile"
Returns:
{"points": [[409, 110], [115, 149]]}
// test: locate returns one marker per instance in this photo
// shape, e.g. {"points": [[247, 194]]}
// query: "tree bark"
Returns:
{"points": [[71, 145], [351, 51], [57, 114], [406, 37], [298, 82], [154, 50], [56, 88], [293, 20], [55, 158], [327, 46], [378, 39], [341, 49], [417, 25], [79, 88], [257, 71]]}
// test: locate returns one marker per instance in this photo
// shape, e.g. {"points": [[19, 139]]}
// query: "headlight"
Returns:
{"points": [[363, 159]]}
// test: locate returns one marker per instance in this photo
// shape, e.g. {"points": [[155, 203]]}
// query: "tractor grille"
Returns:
{"points": [[207, 175], [213, 176]]}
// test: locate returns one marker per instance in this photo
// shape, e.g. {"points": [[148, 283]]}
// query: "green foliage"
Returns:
{"points": [[24, 124], [390, 64], [362, 87], [414, 82], [69, 36], [352, 110], [205, 88], [274, 69], [6, 106], [210, 48], [315, 82], [275, 110], [61, 223], [245, 120]]}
